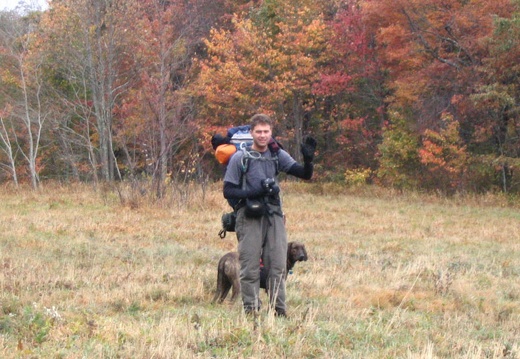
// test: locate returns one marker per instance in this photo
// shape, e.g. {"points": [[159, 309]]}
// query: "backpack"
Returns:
{"points": [[238, 138], [235, 138]]}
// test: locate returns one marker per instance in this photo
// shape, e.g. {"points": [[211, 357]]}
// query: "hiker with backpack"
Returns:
{"points": [[251, 182]]}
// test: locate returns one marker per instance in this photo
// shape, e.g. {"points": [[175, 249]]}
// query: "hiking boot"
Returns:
{"points": [[280, 313], [250, 311]]}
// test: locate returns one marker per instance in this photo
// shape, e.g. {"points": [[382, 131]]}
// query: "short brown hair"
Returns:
{"points": [[260, 118]]}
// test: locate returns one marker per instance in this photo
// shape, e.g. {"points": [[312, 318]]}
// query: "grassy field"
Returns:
{"points": [[91, 273]]}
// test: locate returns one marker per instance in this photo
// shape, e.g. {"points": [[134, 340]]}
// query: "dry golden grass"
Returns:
{"points": [[108, 273]]}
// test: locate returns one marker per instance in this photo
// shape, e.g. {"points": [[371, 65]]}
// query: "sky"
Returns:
{"points": [[11, 4]]}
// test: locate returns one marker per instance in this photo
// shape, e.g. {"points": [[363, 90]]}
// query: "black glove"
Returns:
{"points": [[308, 148]]}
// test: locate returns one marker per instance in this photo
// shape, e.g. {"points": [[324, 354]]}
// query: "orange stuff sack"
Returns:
{"points": [[224, 152]]}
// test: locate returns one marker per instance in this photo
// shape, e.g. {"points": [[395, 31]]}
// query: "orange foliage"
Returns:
{"points": [[249, 69], [442, 154]]}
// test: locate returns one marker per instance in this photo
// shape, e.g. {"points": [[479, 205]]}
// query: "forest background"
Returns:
{"points": [[412, 94]]}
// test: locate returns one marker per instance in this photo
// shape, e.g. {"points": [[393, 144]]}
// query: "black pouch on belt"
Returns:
{"points": [[255, 208]]}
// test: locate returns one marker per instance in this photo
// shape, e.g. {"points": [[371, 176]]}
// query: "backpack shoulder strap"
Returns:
{"points": [[274, 147], [249, 155], [274, 158], [246, 156]]}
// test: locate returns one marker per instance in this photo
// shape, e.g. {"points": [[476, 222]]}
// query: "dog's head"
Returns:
{"points": [[296, 252]]}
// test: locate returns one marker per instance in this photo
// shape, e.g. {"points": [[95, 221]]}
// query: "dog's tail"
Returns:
{"points": [[218, 293]]}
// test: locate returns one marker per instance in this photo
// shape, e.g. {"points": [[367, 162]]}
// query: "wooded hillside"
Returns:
{"points": [[413, 94]]}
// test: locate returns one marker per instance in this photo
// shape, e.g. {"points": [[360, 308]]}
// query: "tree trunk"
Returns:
{"points": [[298, 125], [8, 150]]}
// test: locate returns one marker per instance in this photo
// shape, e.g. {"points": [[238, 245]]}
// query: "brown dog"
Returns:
{"points": [[229, 271]]}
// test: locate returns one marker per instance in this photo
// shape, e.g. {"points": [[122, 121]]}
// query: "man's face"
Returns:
{"points": [[261, 136]]}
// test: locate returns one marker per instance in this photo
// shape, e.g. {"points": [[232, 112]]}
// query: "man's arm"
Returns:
{"points": [[307, 149], [233, 191], [304, 172]]}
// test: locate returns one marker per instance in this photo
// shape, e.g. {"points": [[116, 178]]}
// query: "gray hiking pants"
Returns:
{"points": [[265, 238]]}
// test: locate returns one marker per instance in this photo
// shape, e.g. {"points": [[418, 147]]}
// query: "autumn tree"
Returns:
{"points": [[432, 51], [414, 93], [302, 49], [67, 78], [7, 147], [444, 157], [267, 63], [495, 102], [156, 112], [155, 128], [24, 107], [87, 43], [353, 86]]}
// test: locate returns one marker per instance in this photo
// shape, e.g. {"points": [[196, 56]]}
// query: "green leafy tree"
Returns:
{"points": [[398, 154], [497, 102]]}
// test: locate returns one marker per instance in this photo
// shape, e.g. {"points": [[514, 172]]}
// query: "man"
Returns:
{"points": [[251, 180]]}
